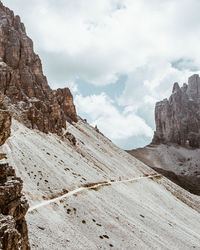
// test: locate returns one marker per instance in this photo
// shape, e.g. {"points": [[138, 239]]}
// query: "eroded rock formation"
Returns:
{"points": [[178, 119], [13, 205], [27, 93]]}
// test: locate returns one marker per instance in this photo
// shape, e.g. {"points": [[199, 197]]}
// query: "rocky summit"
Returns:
{"points": [[25, 88], [178, 118]]}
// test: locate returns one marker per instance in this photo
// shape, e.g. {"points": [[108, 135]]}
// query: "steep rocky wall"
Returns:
{"points": [[178, 119], [13, 205], [27, 93]]}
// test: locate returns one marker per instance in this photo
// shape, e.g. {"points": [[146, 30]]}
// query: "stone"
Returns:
{"points": [[13, 207], [9, 236], [71, 138], [65, 100], [178, 118]]}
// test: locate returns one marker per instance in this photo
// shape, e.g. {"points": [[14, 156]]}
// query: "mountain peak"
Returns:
{"points": [[23, 83], [177, 119], [176, 87]]}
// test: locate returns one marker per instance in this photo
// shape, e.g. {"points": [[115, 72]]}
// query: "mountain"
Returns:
{"points": [[178, 119], [27, 93], [84, 192], [174, 150]]}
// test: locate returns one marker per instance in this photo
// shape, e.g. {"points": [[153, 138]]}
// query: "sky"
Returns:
{"points": [[118, 57]]}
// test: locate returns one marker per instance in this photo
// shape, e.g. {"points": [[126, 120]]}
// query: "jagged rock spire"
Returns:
{"points": [[175, 87], [178, 119]]}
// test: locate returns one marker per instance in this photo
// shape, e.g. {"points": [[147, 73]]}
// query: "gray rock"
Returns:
{"points": [[178, 118]]}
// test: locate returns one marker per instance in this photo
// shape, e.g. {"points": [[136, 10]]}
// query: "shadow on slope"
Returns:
{"points": [[150, 157]]}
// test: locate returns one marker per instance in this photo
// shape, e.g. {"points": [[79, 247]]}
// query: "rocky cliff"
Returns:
{"points": [[25, 88], [13, 205], [178, 119]]}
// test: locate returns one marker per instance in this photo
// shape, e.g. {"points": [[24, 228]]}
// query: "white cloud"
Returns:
{"points": [[101, 39], [70, 84], [152, 82], [110, 121]]}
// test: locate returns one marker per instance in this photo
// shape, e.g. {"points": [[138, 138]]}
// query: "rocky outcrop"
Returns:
{"points": [[65, 100], [27, 93], [13, 205], [178, 119]]}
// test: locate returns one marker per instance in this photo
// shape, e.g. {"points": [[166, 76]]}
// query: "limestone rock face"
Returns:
{"points": [[13, 205], [178, 119], [27, 93]]}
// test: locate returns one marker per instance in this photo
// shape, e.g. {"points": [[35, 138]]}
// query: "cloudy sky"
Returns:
{"points": [[118, 56]]}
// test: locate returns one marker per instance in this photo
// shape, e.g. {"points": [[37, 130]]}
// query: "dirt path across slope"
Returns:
{"points": [[88, 187]]}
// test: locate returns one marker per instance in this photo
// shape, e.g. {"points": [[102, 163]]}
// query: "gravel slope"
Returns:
{"points": [[148, 213], [179, 164]]}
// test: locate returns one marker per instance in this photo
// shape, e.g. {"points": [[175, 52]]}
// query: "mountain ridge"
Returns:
{"points": [[25, 88]]}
